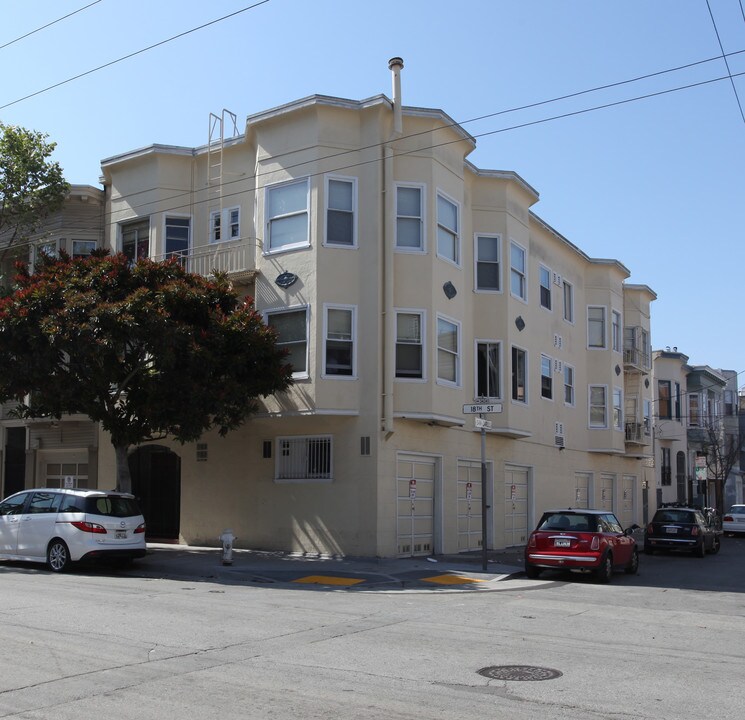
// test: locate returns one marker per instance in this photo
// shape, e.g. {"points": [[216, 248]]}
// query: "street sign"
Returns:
{"points": [[482, 408], [481, 423]]}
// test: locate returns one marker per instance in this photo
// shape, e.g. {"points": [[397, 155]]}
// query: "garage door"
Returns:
{"points": [[469, 506], [415, 479], [515, 506], [582, 489], [626, 505], [607, 483]]}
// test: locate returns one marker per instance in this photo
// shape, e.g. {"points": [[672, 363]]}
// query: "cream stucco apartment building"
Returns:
{"points": [[405, 282]]}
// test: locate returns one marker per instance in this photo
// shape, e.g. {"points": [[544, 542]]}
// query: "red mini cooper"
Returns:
{"points": [[582, 541]]}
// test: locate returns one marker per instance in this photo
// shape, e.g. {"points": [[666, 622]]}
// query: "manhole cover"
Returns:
{"points": [[519, 672]]}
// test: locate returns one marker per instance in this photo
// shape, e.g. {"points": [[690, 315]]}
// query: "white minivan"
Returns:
{"points": [[59, 526]]}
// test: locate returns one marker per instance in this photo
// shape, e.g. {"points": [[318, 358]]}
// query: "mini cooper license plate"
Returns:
{"points": [[562, 542]]}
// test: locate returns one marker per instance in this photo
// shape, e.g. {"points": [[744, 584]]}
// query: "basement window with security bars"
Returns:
{"points": [[302, 459]]}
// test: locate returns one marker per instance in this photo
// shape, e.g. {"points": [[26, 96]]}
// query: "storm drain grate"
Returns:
{"points": [[519, 672]]}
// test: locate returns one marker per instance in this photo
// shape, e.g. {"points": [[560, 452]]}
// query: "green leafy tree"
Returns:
{"points": [[146, 349], [31, 184]]}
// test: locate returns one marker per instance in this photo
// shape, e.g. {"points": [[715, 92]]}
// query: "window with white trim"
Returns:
{"points": [[518, 272], [487, 259], [229, 218], [488, 374], [448, 234], [448, 351], [568, 301], [519, 375], [341, 207], [616, 330], [596, 327], [83, 248], [135, 238], [647, 409], [568, 385], [598, 406], [547, 380], [287, 211], [409, 218], [178, 231], [410, 345], [304, 458], [618, 408], [545, 287], [339, 357], [694, 410], [291, 327]]}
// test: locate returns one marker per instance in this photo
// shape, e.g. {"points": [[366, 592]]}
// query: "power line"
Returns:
{"points": [[133, 54], [726, 62], [49, 24]]}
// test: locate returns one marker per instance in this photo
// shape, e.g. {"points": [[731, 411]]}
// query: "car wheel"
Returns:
{"points": [[532, 571], [604, 573], [633, 567], [716, 545], [58, 556], [700, 550]]}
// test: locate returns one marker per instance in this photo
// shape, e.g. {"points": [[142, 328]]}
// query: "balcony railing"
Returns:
{"points": [[637, 433], [635, 358], [232, 256]]}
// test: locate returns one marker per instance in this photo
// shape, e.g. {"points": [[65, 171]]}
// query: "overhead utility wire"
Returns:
{"points": [[726, 62], [49, 24], [133, 54]]}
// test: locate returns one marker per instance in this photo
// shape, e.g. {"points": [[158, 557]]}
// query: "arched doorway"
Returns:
{"points": [[156, 482]]}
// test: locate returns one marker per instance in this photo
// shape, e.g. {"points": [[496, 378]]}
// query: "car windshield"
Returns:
{"points": [[575, 522], [674, 516]]}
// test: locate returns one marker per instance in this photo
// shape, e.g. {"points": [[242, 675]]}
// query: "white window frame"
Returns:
{"points": [[526, 369], [422, 344], [303, 446], [569, 386], [544, 284], [618, 408], [521, 274], [38, 248], [477, 261], [452, 233], [327, 195], [74, 241], [456, 353], [616, 332], [422, 248], [568, 297], [489, 344], [269, 313], [176, 216], [352, 310], [268, 190], [547, 366], [124, 224], [225, 221], [604, 406], [603, 322]]}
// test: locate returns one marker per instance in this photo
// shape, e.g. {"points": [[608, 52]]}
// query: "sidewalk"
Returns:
{"points": [[446, 572]]}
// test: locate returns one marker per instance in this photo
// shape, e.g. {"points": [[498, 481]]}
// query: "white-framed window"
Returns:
{"points": [[306, 458], [598, 406], [448, 351], [616, 331], [519, 372], [647, 409], [568, 385], [488, 369], [291, 326], [487, 261], [518, 271], [230, 219], [340, 333], [410, 218], [596, 326], [547, 378], [618, 408], [178, 235], [410, 344], [448, 232], [545, 287], [568, 301], [694, 410], [48, 248], [341, 211], [287, 211], [135, 238], [83, 248]]}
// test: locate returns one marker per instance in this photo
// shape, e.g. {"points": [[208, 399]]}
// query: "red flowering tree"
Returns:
{"points": [[146, 349]]}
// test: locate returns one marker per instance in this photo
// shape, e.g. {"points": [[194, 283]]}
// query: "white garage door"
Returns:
{"points": [[469, 505], [626, 505], [515, 506], [415, 479], [607, 483], [582, 489]]}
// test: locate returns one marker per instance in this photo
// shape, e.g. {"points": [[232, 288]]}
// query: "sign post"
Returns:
{"points": [[481, 408]]}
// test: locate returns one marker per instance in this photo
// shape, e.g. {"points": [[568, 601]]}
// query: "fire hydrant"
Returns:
{"points": [[227, 539]]}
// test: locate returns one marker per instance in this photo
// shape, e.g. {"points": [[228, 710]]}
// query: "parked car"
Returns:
{"points": [[734, 520], [61, 526], [678, 527], [581, 541]]}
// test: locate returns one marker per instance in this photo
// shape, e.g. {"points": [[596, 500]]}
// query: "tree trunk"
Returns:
{"points": [[123, 476]]}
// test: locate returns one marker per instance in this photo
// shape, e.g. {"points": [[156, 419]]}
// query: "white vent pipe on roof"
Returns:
{"points": [[395, 65]]}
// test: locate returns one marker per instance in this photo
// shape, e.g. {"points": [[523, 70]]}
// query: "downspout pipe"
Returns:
{"points": [[395, 65]]}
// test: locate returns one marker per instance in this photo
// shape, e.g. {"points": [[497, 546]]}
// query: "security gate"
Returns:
{"points": [[469, 505], [515, 506], [415, 480]]}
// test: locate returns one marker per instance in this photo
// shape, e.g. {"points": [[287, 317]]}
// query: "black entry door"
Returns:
{"points": [[156, 482], [15, 460]]}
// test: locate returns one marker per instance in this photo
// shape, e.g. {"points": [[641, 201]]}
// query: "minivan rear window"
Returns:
{"points": [[109, 505]]}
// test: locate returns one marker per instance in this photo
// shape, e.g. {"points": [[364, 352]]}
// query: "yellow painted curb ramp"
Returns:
{"points": [[452, 580], [328, 580]]}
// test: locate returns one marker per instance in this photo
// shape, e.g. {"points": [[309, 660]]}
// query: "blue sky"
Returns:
{"points": [[656, 183]]}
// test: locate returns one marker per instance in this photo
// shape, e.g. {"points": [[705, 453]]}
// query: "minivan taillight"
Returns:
{"points": [[140, 528], [728, 518], [595, 544], [89, 527]]}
